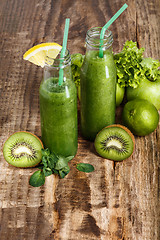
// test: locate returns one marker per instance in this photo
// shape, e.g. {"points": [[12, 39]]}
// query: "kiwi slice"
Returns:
{"points": [[115, 142], [23, 149]]}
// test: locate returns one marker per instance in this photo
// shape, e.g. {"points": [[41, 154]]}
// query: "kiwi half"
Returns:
{"points": [[115, 142], [23, 149]]}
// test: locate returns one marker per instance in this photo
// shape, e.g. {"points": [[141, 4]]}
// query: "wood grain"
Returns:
{"points": [[116, 201]]}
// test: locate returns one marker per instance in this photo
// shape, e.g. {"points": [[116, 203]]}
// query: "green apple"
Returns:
{"points": [[149, 90], [119, 94]]}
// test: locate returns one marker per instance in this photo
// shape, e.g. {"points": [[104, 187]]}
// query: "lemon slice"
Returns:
{"points": [[38, 53]]}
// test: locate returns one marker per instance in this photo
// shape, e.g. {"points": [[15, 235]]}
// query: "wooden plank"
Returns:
{"points": [[117, 201]]}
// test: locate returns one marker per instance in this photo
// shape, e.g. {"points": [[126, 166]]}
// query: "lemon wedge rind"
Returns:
{"points": [[38, 53]]}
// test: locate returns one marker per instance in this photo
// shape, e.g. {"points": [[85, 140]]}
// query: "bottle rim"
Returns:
{"points": [[55, 62], [93, 38]]}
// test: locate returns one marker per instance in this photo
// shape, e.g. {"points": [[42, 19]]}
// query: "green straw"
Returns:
{"points": [[63, 51], [107, 25]]}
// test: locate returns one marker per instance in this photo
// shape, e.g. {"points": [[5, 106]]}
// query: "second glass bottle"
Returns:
{"points": [[98, 85]]}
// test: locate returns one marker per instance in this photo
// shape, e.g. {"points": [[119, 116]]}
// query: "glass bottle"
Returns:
{"points": [[58, 108], [98, 85]]}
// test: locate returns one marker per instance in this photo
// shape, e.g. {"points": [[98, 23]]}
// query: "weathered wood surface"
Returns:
{"points": [[116, 201]]}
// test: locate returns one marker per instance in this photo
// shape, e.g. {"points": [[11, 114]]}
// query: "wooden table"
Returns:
{"points": [[116, 201]]}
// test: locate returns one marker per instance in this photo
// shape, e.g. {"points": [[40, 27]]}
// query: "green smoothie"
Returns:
{"points": [[58, 111], [98, 92]]}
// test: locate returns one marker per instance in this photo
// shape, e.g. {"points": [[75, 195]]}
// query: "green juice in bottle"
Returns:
{"points": [[58, 109], [98, 85]]}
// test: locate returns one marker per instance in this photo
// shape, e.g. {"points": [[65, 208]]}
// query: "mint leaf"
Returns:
{"points": [[85, 167], [37, 179], [49, 159], [44, 160], [61, 163], [47, 172], [63, 172], [52, 160], [69, 158]]}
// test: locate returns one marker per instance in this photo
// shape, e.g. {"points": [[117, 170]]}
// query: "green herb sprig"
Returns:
{"points": [[54, 164], [50, 164]]}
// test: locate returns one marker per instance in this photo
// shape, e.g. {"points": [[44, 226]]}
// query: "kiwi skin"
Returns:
{"points": [[126, 129], [27, 133]]}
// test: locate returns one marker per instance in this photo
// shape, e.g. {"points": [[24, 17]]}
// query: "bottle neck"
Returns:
{"points": [[58, 62], [53, 65], [93, 39]]}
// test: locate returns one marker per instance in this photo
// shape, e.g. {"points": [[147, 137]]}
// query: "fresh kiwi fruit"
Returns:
{"points": [[115, 142], [23, 149]]}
